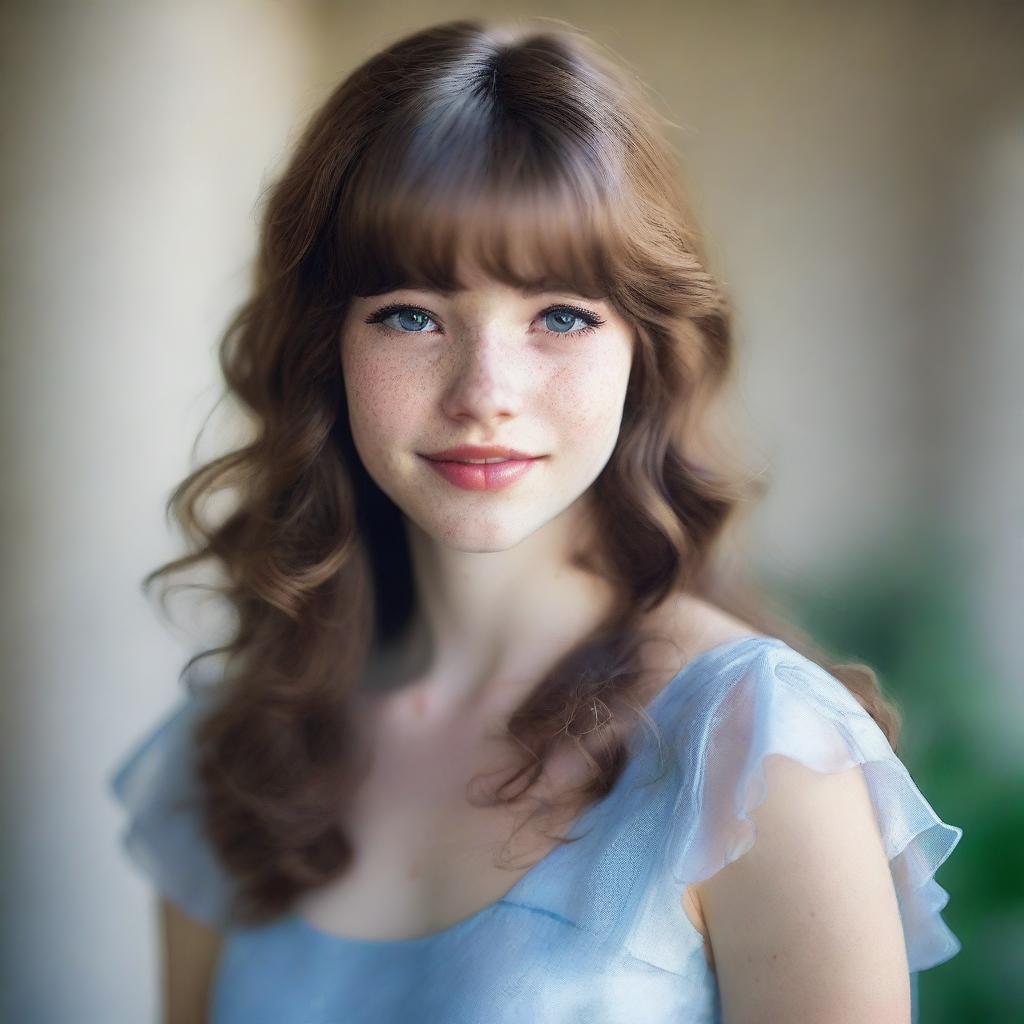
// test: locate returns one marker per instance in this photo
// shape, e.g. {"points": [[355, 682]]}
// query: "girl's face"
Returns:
{"points": [[544, 374]]}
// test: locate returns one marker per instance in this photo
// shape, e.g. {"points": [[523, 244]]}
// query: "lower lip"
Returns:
{"points": [[482, 476]]}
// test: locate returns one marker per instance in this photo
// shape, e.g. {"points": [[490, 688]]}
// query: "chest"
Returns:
{"points": [[425, 861], [428, 850]]}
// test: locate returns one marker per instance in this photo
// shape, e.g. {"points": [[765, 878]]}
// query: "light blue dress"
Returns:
{"points": [[595, 932]]}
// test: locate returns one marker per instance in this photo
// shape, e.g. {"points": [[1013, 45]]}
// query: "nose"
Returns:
{"points": [[487, 380]]}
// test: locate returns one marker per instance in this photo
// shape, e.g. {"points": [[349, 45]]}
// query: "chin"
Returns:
{"points": [[470, 533]]}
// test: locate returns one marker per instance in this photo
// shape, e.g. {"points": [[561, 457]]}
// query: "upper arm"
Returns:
{"points": [[189, 956], [805, 926]]}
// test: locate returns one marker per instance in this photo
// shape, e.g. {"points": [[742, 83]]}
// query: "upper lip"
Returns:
{"points": [[477, 451]]}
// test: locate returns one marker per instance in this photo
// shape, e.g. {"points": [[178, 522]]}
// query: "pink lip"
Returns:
{"points": [[487, 476]]}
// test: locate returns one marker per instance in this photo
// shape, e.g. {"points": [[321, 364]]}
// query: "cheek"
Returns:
{"points": [[381, 398], [382, 410], [589, 400]]}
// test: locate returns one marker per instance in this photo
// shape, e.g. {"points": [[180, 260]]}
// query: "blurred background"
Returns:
{"points": [[859, 171]]}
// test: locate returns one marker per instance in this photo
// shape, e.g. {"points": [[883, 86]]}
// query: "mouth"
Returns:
{"points": [[482, 474], [480, 462], [479, 453]]}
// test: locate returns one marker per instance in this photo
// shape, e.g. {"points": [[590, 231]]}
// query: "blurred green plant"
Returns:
{"points": [[904, 607]]}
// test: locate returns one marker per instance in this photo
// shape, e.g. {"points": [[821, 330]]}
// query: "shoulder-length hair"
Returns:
{"points": [[526, 147]]}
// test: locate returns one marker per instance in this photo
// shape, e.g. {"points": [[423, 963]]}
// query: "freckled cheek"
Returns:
{"points": [[382, 401], [588, 404]]}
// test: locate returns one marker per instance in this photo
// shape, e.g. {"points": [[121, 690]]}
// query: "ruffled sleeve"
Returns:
{"points": [[780, 702], [750, 700], [156, 785]]}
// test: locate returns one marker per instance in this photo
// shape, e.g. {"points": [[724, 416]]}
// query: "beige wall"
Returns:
{"points": [[859, 169]]}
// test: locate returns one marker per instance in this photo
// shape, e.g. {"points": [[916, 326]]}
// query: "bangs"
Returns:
{"points": [[527, 209]]}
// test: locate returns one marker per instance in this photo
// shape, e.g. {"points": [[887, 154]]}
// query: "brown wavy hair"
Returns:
{"points": [[536, 151]]}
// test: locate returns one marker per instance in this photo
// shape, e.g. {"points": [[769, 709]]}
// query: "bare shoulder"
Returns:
{"points": [[190, 950], [694, 625], [806, 925]]}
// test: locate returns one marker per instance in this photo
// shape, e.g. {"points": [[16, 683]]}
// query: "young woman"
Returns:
{"points": [[498, 736]]}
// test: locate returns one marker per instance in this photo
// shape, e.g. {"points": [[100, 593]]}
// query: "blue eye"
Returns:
{"points": [[563, 318], [413, 320]]}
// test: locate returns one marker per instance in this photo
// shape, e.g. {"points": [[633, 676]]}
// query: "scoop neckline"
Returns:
{"points": [[298, 920]]}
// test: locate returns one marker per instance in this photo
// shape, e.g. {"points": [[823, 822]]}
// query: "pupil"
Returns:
{"points": [[570, 317], [417, 324]]}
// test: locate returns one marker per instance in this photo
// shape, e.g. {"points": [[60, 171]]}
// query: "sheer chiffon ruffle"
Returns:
{"points": [[784, 704], [156, 785]]}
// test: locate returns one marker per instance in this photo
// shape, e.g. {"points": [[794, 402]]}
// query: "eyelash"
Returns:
{"points": [[592, 320]]}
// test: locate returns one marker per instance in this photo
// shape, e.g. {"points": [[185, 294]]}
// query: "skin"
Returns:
{"points": [[490, 568], [189, 951], [805, 926]]}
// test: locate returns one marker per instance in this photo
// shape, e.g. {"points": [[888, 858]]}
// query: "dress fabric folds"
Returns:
{"points": [[594, 932]]}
